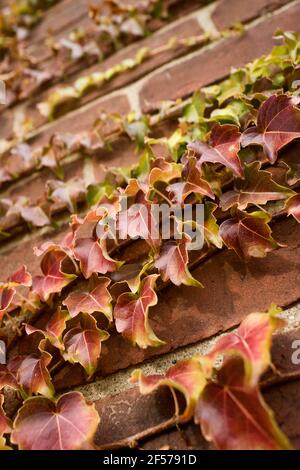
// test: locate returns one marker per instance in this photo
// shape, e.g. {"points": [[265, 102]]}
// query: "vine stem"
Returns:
{"points": [[132, 441], [279, 379]]}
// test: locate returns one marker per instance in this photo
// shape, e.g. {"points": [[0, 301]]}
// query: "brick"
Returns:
{"points": [[213, 64], [235, 290], [187, 28], [227, 13]]}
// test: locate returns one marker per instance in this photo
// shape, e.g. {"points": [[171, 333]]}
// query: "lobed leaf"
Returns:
{"points": [[186, 377], [67, 424], [235, 416], [278, 124], [131, 314], [248, 234]]}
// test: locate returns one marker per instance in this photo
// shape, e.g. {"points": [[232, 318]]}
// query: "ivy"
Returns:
{"points": [[90, 288]]}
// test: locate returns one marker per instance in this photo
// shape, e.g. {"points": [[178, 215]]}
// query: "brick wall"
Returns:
{"points": [[238, 289]]}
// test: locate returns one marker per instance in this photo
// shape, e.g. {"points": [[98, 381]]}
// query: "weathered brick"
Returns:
{"points": [[213, 64], [187, 28], [227, 13]]}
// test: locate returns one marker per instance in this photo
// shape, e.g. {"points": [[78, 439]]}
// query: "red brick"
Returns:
{"points": [[209, 66], [227, 13], [187, 28]]}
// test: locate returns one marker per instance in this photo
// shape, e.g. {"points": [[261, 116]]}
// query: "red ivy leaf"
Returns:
{"points": [[186, 377], [54, 328], [293, 207], [234, 416], [257, 188], [278, 123], [248, 234], [67, 424], [83, 344], [131, 314], [173, 262], [6, 297], [21, 277], [7, 379], [224, 147], [32, 374], [93, 257], [194, 183], [252, 341], [53, 279], [96, 298]]}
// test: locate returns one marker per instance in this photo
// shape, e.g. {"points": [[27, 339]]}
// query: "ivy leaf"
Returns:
{"points": [[293, 207], [234, 416], [31, 214], [132, 274], [21, 277], [211, 228], [131, 314], [164, 171], [248, 234], [7, 379], [224, 147], [54, 328], [6, 298], [252, 341], [93, 257], [42, 424], [186, 377], [194, 183], [256, 188], [83, 344], [173, 260], [96, 298], [278, 123], [5, 423], [53, 279], [138, 222], [67, 193], [32, 374]]}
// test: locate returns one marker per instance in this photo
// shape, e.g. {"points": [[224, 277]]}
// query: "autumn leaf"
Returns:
{"points": [[252, 340], [67, 193], [42, 424], [32, 374], [234, 415], [132, 274], [224, 147], [248, 234], [7, 379], [96, 298], [83, 344], [173, 260], [54, 329], [34, 215], [139, 222], [211, 228], [186, 377], [93, 257], [131, 314], [278, 123], [21, 277], [257, 187], [53, 279], [194, 184], [163, 171], [6, 298], [293, 207]]}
